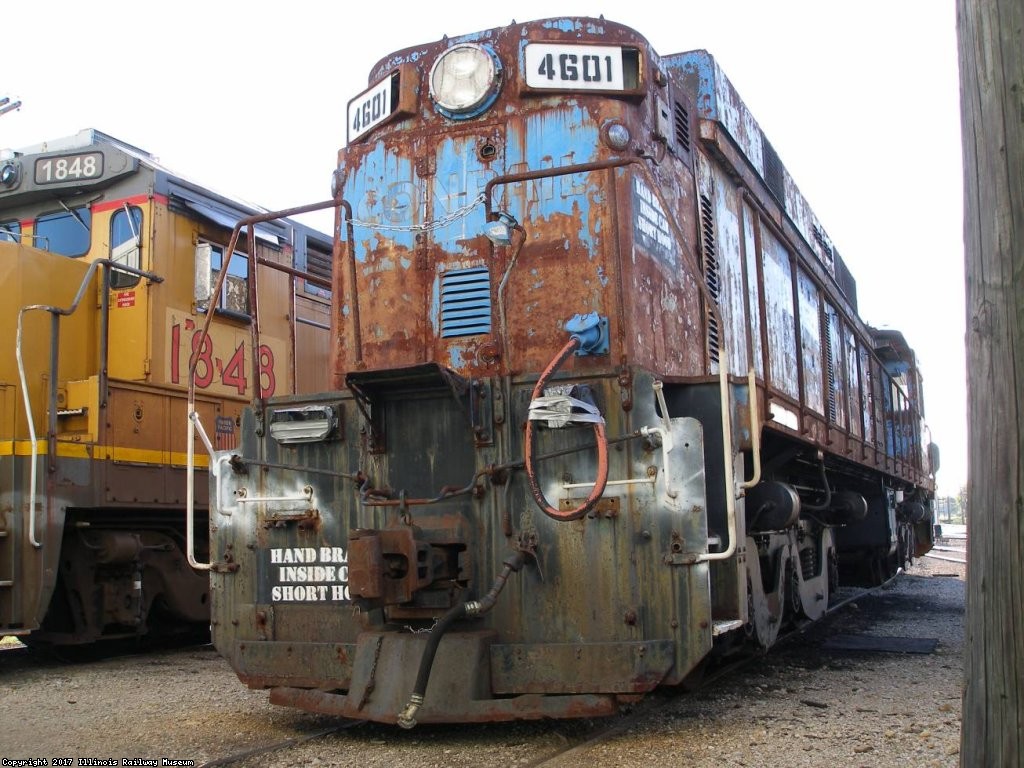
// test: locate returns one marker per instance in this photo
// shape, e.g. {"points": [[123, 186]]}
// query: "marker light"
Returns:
{"points": [[464, 80], [616, 135]]}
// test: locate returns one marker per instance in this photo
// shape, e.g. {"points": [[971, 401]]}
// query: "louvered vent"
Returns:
{"points": [[465, 302], [823, 243], [773, 171], [318, 260], [711, 277], [845, 281], [830, 364], [682, 120]]}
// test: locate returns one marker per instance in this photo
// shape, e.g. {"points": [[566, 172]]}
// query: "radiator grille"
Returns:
{"points": [[682, 127], [465, 302], [711, 276], [830, 363], [773, 173]]}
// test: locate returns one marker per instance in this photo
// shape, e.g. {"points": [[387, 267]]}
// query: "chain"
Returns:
{"points": [[429, 226], [370, 684], [421, 630]]}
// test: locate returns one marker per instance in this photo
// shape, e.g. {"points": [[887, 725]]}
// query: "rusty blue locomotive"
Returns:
{"points": [[602, 401]]}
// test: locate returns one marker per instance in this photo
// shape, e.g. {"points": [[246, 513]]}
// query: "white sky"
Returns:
{"points": [[860, 100]]}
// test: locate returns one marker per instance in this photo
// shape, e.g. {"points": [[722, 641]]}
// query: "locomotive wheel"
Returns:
{"points": [[750, 628], [833, 573], [905, 545], [794, 605]]}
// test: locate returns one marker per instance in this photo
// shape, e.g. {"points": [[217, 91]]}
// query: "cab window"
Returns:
{"points": [[10, 231], [126, 244], [234, 298], [65, 232]]}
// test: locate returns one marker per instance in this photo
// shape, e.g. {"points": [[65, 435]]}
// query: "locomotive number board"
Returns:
{"points": [[577, 67], [55, 170], [373, 106]]}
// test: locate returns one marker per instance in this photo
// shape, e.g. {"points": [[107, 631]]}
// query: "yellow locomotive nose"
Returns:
{"points": [[106, 289]]}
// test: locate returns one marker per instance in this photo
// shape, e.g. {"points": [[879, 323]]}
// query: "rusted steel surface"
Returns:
{"points": [[571, 252], [352, 564], [525, 707]]}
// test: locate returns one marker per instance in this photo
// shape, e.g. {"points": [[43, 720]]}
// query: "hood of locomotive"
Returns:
{"points": [[356, 518], [419, 277]]}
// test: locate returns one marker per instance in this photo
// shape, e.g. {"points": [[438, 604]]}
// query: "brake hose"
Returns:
{"points": [[599, 435]]}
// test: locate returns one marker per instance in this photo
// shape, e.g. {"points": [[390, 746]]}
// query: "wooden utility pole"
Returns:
{"points": [[991, 35]]}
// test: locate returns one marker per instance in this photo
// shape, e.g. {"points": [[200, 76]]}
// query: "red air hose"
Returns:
{"points": [[602, 449]]}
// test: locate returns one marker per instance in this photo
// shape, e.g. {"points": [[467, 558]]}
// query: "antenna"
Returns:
{"points": [[7, 106]]}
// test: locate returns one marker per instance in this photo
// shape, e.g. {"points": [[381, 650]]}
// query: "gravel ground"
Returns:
{"points": [[801, 705], [805, 706]]}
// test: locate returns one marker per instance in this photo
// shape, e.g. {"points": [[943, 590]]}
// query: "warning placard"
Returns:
{"points": [[650, 224]]}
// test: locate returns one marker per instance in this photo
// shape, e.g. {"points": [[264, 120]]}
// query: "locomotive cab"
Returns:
{"points": [[97, 242]]}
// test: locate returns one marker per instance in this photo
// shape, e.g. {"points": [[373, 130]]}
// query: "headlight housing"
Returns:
{"points": [[9, 174], [464, 81]]}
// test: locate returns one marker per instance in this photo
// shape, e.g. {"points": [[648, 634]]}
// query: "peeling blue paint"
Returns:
{"points": [[565, 25], [459, 179], [434, 314], [703, 65], [562, 136], [455, 358], [474, 37], [383, 191], [395, 61]]}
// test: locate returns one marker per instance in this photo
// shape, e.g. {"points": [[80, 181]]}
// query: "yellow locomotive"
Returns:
{"points": [[107, 263]]}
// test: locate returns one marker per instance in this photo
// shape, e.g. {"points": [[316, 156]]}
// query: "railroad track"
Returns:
{"points": [[279, 746], [568, 752]]}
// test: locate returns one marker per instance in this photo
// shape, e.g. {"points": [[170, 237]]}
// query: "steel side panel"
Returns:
{"points": [[525, 707], [295, 664], [33, 570], [580, 667]]}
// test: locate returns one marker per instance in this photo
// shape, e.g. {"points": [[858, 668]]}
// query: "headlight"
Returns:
{"points": [[464, 80], [9, 174]]}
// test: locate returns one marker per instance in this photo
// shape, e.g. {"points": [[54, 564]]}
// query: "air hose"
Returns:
{"points": [[824, 505], [407, 717], [599, 435]]}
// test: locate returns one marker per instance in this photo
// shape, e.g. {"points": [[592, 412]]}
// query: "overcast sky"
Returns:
{"points": [[860, 100]]}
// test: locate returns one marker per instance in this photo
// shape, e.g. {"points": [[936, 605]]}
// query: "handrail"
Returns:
{"points": [[190, 485], [755, 430], [56, 313], [193, 416], [723, 365]]}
